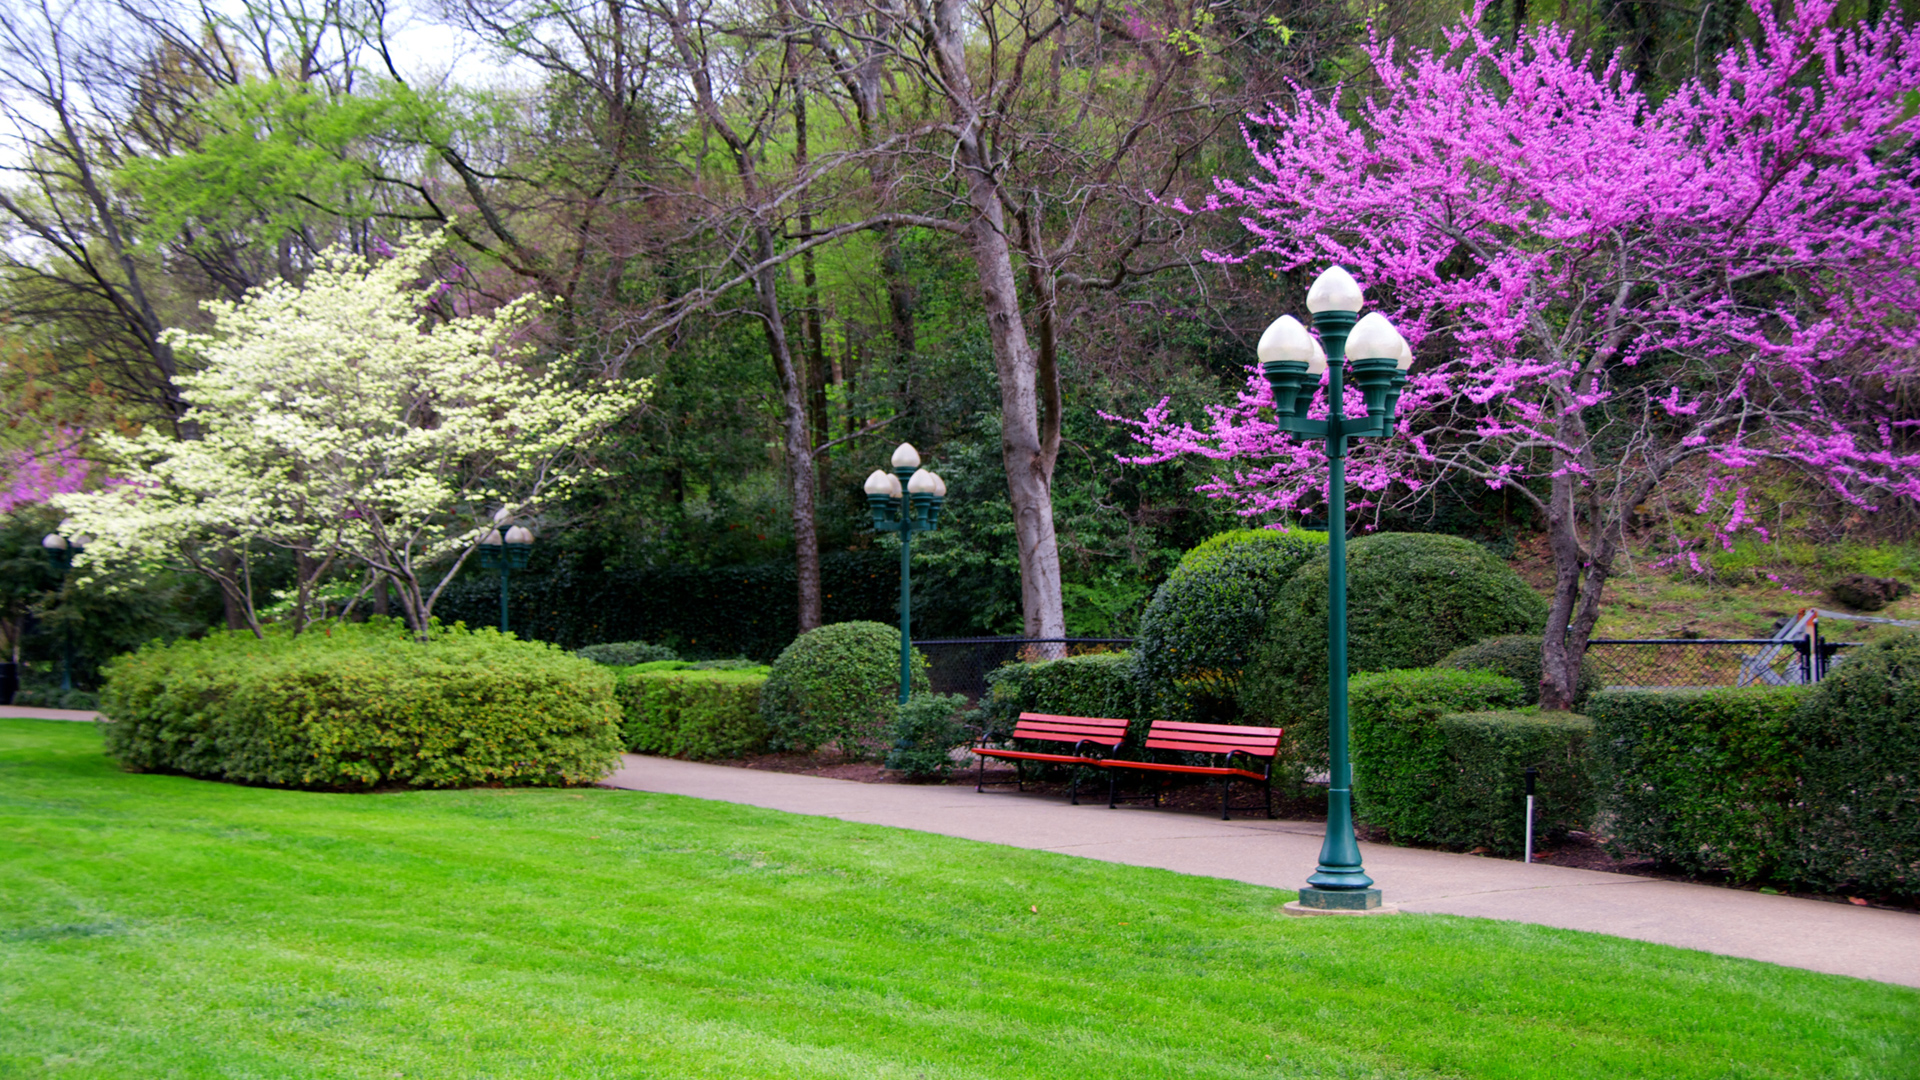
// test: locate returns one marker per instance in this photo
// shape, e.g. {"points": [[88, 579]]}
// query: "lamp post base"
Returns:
{"points": [[1339, 902]]}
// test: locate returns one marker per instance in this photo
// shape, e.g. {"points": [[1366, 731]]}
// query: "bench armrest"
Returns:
{"points": [[1088, 748], [1252, 762]]}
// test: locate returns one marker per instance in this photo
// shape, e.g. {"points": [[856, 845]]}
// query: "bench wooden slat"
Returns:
{"points": [[1221, 741], [1071, 732]]}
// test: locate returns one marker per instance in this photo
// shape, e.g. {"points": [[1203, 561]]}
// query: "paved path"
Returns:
{"points": [[1864, 942], [22, 712]]}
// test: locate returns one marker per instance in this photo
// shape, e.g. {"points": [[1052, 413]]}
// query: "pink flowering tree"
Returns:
{"points": [[1605, 293], [32, 477]]}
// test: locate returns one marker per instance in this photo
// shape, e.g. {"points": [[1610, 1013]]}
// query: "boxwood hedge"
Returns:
{"points": [[1204, 621], [359, 706], [1412, 598], [1096, 684], [674, 708], [838, 684]]}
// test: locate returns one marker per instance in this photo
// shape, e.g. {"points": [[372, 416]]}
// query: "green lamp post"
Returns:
{"points": [[60, 552], [506, 554], [1292, 362], [906, 501]]}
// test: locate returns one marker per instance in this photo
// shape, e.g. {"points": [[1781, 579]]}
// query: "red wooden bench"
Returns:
{"points": [[1088, 737], [1222, 743]]}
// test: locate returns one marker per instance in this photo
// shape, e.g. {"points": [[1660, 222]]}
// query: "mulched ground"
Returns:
{"points": [[1578, 850]]}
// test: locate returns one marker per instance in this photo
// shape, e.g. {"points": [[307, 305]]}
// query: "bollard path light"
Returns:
{"points": [[505, 553], [906, 501], [1293, 363]]}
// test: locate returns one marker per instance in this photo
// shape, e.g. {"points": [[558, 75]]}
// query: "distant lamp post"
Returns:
{"points": [[60, 552], [506, 554], [1293, 362], [906, 501]]}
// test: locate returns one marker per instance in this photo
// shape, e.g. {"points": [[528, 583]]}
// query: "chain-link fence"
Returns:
{"points": [[960, 665], [1690, 662]]}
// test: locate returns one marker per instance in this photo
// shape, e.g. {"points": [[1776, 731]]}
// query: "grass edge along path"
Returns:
{"points": [[162, 926]]}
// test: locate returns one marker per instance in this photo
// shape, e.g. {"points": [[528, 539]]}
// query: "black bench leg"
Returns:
{"points": [[980, 778], [1073, 789], [1226, 791], [1113, 788], [1269, 790]]}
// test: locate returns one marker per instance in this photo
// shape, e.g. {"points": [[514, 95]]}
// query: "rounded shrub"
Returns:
{"points": [[928, 729], [838, 685], [626, 653], [358, 706], [1858, 820], [1205, 620], [1517, 656], [1412, 598]]}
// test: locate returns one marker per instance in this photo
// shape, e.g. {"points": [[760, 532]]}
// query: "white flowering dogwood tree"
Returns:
{"points": [[344, 421]]}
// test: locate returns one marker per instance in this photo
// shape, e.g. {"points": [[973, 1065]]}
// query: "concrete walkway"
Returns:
{"points": [[23, 712], [1837, 938]]}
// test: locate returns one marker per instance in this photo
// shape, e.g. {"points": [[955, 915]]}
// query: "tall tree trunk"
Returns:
{"points": [[1026, 452], [799, 438]]}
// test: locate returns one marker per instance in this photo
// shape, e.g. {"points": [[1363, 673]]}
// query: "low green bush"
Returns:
{"points": [[838, 685], [926, 732], [1857, 827], [1412, 598], [1704, 780], [677, 709], [1401, 763], [1517, 656], [1203, 622], [358, 706], [1097, 684], [625, 653], [81, 700]]}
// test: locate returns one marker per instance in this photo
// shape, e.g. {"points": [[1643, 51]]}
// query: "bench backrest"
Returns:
{"points": [[1070, 729], [1213, 738]]}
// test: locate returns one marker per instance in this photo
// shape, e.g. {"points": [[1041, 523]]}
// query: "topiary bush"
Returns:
{"points": [[926, 732], [1412, 598], [1704, 780], [1203, 623], [1400, 756], [838, 685], [626, 653], [1517, 656], [1857, 826], [680, 710], [358, 706], [1097, 684]]}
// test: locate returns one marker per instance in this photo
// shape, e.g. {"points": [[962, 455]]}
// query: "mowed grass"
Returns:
{"points": [[156, 926]]}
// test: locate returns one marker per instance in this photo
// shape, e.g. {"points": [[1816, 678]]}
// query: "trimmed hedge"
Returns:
{"points": [[1704, 780], [1097, 684], [1412, 598], [674, 709], [1517, 656], [838, 685], [1484, 801], [1401, 764], [926, 732], [626, 653], [1203, 623], [1858, 825], [358, 706]]}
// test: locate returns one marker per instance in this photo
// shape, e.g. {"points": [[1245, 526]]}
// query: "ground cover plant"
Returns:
{"points": [[162, 926]]}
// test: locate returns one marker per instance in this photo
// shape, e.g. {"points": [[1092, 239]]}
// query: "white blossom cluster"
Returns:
{"points": [[340, 420]]}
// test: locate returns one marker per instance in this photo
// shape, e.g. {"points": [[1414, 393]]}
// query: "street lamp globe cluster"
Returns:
{"points": [[907, 500], [1293, 363], [60, 551], [505, 552]]}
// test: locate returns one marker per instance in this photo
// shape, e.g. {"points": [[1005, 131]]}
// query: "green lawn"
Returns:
{"points": [[154, 926]]}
